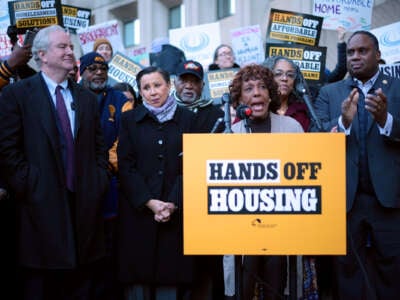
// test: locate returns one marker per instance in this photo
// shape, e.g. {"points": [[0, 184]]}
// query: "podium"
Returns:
{"points": [[264, 194]]}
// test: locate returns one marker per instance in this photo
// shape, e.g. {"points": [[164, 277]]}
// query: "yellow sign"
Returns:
{"points": [[264, 193]]}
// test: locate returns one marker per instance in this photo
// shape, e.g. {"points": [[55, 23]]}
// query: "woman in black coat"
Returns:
{"points": [[150, 239]]}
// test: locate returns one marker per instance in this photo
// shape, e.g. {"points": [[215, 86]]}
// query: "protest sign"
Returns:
{"points": [[352, 15], [389, 41], [198, 42], [292, 27], [139, 54], [75, 17], [264, 197], [122, 69], [5, 43], [247, 44], [35, 14], [109, 30], [392, 70], [216, 83], [311, 60]]}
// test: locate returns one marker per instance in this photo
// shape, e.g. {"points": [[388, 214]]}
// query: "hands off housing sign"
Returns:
{"points": [[123, 69], [216, 83], [75, 17], [264, 198]]}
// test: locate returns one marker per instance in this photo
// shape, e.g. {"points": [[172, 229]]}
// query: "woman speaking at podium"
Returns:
{"points": [[254, 89]]}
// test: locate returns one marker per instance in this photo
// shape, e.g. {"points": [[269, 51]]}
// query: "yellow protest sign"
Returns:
{"points": [[264, 193]]}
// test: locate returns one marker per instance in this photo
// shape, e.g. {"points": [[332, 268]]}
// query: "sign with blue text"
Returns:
{"points": [[264, 193], [352, 15], [35, 14]]}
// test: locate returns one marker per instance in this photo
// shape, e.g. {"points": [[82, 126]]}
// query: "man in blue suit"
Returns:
{"points": [[366, 106]]}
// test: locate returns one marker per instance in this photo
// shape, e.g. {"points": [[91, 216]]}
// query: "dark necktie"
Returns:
{"points": [[69, 140]]}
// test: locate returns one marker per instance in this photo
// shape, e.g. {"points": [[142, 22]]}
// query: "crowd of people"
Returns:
{"points": [[91, 185]]}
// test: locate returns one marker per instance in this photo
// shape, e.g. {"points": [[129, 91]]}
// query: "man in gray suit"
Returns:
{"points": [[53, 157], [366, 106]]}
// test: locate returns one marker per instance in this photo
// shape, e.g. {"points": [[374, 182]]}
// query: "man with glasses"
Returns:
{"points": [[94, 73]]}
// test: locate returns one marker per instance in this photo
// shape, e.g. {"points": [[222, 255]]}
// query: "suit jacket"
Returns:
{"points": [[53, 231], [207, 116], [383, 151]]}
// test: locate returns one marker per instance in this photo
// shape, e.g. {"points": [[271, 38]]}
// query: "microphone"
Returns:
{"points": [[243, 112], [73, 105], [216, 125], [226, 100], [301, 90]]}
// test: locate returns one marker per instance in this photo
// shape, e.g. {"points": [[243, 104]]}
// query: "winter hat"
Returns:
{"points": [[90, 59], [100, 41]]}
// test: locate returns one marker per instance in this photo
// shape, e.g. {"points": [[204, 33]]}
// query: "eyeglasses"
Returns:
{"points": [[95, 68], [226, 54], [280, 74]]}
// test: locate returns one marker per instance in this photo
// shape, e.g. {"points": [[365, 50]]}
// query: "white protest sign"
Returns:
{"points": [[5, 44], [109, 30], [352, 15], [197, 42], [389, 41], [248, 45], [139, 54]]}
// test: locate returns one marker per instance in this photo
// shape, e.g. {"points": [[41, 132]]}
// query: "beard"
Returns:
{"points": [[189, 99], [97, 86]]}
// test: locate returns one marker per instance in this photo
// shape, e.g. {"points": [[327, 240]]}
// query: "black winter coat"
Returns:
{"points": [[31, 158], [150, 167]]}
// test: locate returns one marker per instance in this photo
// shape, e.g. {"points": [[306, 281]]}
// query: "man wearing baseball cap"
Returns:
{"points": [[188, 92]]}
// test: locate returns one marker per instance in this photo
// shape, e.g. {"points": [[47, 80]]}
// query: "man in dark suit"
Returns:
{"points": [[53, 157], [366, 106]]}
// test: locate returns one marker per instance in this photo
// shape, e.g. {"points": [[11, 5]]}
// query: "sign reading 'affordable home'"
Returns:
{"points": [[270, 194]]}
